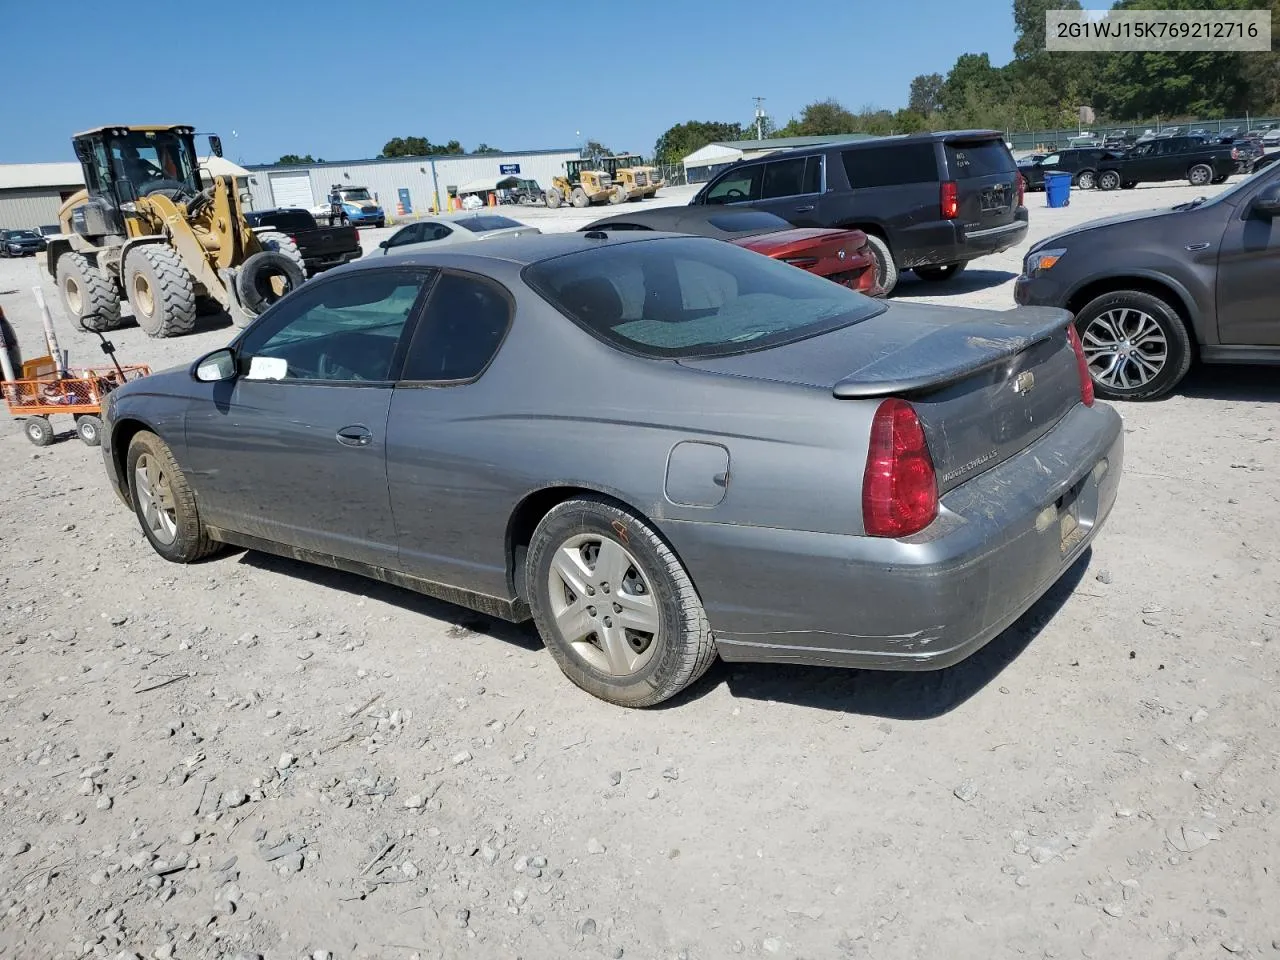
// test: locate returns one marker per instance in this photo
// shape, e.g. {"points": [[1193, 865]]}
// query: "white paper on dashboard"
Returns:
{"points": [[267, 368]]}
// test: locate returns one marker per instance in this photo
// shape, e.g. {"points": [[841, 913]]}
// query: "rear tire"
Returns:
{"points": [[579, 198], [937, 274], [1108, 180], [1086, 179], [886, 269], [161, 291], [89, 296], [164, 502], [89, 429], [1153, 348], [1200, 175], [283, 244], [583, 627], [618, 195], [38, 430]]}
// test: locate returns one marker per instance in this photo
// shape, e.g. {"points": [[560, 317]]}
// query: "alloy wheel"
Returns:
{"points": [[155, 498], [1125, 348], [603, 604]]}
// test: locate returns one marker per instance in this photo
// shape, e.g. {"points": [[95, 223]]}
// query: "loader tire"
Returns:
{"points": [[88, 295], [579, 198], [284, 244], [266, 277], [161, 291], [553, 198]]}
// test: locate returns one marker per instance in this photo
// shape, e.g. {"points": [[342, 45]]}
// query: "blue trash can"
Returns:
{"points": [[1057, 189]]}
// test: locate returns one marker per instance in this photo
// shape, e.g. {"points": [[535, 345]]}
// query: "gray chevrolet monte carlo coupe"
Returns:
{"points": [[661, 448]]}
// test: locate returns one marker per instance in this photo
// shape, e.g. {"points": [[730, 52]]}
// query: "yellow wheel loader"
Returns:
{"points": [[150, 229], [583, 183], [630, 172]]}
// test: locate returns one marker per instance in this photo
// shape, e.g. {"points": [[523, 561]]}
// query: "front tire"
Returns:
{"points": [[1086, 179], [937, 274], [553, 198], [886, 269], [38, 430], [579, 198], [89, 429], [614, 605], [1200, 175], [164, 502], [1108, 180], [89, 296], [161, 291], [1136, 345]]}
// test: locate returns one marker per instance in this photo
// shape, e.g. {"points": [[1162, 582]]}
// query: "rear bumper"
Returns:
{"points": [[944, 241], [922, 603]]}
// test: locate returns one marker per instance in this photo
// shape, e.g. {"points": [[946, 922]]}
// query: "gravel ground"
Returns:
{"points": [[251, 757]]}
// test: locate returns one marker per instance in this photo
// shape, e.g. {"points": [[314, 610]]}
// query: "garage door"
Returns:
{"points": [[292, 190]]}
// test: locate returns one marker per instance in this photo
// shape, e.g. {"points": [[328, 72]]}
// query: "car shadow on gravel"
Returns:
{"points": [[1230, 382], [896, 695], [461, 620], [971, 281]]}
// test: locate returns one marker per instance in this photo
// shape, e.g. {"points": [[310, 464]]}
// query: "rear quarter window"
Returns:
{"points": [[890, 166], [983, 158]]}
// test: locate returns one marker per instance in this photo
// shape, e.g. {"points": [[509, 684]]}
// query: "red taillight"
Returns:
{"points": [[950, 200], [1082, 366], [1022, 188], [899, 488]]}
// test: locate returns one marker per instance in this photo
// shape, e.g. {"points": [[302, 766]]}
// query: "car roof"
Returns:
{"points": [[520, 251], [872, 143]]}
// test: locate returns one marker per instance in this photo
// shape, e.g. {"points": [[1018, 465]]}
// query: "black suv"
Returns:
{"points": [[1151, 291], [1169, 158], [1080, 162], [929, 202]]}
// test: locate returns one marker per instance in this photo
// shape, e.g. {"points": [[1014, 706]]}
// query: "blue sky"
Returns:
{"points": [[339, 79]]}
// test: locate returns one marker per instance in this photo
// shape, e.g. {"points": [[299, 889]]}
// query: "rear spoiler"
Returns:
{"points": [[953, 353]]}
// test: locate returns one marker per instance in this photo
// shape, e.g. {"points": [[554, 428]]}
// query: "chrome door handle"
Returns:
{"points": [[355, 436], [804, 209], [1197, 246]]}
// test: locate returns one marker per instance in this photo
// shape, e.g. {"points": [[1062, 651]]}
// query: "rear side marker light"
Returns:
{"points": [[1082, 366]]}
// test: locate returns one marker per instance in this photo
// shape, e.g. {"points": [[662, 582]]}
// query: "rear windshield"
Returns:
{"points": [[982, 158], [486, 223], [691, 297], [284, 219]]}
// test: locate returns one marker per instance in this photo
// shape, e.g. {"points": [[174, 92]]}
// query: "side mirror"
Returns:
{"points": [[215, 367], [1267, 203], [385, 244], [215, 144]]}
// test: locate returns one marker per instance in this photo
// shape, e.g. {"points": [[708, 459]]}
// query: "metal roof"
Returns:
{"points": [[322, 164], [140, 127], [27, 176]]}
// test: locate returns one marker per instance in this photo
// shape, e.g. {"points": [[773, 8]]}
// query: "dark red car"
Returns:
{"points": [[839, 255]]}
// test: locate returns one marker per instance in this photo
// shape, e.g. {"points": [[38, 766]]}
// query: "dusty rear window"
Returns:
{"points": [[979, 158], [690, 297]]}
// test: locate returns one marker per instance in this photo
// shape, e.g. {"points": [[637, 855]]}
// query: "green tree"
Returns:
{"points": [[485, 148], [679, 141], [594, 148], [820, 119], [418, 147], [292, 159], [926, 92]]}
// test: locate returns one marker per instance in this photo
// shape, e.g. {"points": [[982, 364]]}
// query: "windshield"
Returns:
{"points": [[1229, 194], [356, 193], [20, 235], [142, 157], [286, 220], [689, 297]]}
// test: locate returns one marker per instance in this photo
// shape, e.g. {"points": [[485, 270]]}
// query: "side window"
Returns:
{"points": [[813, 174], [891, 166], [462, 327], [737, 186], [1052, 160], [783, 178], [344, 330], [435, 231], [410, 234]]}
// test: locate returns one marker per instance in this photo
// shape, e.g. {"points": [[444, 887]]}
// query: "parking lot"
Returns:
{"points": [[255, 756]]}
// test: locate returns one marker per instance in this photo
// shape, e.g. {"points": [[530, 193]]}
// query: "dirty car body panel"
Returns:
{"points": [[748, 459]]}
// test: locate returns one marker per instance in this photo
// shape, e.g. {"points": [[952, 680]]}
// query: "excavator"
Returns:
{"points": [[153, 228]]}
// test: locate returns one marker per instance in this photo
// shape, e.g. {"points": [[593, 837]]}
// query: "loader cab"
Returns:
{"points": [[125, 164]]}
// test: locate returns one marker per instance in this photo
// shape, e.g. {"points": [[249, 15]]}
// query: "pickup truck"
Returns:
{"points": [[321, 247], [1169, 158]]}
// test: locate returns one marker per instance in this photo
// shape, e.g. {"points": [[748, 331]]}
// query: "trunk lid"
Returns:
{"points": [[985, 384], [807, 241], [986, 180]]}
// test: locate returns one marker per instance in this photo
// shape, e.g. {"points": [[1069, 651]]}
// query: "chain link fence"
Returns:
{"points": [[1057, 139]]}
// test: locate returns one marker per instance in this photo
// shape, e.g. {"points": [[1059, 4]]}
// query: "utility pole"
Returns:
{"points": [[759, 117]]}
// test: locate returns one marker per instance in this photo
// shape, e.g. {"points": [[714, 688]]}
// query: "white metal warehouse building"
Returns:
{"points": [[423, 177], [31, 193], [701, 165]]}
